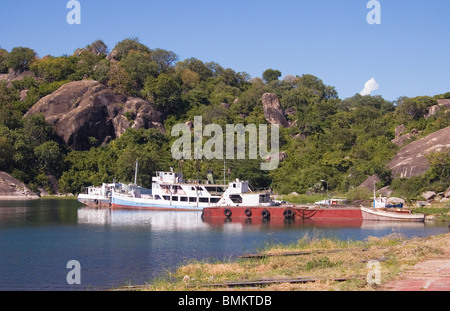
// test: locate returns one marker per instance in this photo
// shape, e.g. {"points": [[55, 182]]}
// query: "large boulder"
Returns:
{"points": [[370, 182], [442, 104], [272, 110], [11, 188], [13, 75], [411, 160], [403, 139], [280, 156], [428, 195], [83, 110], [399, 130]]}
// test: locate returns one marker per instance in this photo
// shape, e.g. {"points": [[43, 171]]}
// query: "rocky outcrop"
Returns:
{"points": [[82, 110], [369, 182], [411, 159], [11, 188], [442, 104], [403, 139], [15, 75], [280, 156], [272, 110]]}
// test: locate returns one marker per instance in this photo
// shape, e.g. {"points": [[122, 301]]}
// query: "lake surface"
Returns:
{"points": [[116, 248]]}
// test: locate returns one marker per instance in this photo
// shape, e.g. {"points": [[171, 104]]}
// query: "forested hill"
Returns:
{"points": [[75, 120]]}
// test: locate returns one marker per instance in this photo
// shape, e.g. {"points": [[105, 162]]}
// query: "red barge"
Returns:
{"points": [[287, 212]]}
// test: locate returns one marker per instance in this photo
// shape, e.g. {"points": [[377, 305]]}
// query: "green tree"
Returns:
{"points": [[164, 92], [98, 47], [190, 79], [20, 58], [53, 69], [122, 48], [271, 75], [139, 66], [37, 130], [100, 71], [6, 151], [413, 108], [49, 156], [439, 170], [164, 59], [3, 61], [9, 116], [251, 98], [120, 80], [195, 65], [87, 63]]}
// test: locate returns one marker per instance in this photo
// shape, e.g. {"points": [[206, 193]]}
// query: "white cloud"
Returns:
{"points": [[369, 87]]}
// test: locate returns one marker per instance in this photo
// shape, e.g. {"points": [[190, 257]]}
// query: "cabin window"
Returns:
{"points": [[214, 189], [183, 199], [203, 200], [214, 200], [236, 198], [174, 198], [192, 199], [166, 197], [176, 188], [263, 198], [157, 197]]}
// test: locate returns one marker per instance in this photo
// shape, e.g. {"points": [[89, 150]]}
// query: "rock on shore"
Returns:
{"points": [[12, 189]]}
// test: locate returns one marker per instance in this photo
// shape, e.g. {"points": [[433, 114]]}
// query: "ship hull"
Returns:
{"points": [[148, 204], [382, 215], [93, 201], [283, 212]]}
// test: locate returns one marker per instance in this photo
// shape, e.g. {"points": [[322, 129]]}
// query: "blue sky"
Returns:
{"points": [[408, 54]]}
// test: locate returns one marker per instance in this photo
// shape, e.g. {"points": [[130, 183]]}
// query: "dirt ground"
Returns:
{"points": [[428, 275]]}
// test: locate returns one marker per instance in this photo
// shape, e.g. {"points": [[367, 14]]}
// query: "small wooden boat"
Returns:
{"points": [[391, 214], [385, 209]]}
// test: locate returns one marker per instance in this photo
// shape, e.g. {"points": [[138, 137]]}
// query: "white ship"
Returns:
{"points": [[98, 196], [101, 196], [171, 192]]}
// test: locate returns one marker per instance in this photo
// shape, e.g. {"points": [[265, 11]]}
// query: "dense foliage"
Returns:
{"points": [[333, 143]]}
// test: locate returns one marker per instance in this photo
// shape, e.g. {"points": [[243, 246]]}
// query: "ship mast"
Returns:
{"points": [[135, 173], [224, 169]]}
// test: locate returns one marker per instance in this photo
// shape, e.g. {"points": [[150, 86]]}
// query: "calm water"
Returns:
{"points": [[115, 248]]}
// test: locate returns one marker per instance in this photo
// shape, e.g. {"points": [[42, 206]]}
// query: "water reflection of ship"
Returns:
{"points": [[381, 225], [170, 220], [154, 220], [284, 223]]}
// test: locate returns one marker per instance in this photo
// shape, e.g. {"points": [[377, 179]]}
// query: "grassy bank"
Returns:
{"points": [[57, 197], [438, 214], [322, 260]]}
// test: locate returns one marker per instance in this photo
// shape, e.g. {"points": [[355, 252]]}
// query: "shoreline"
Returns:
{"points": [[336, 265], [31, 198], [18, 198]]}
